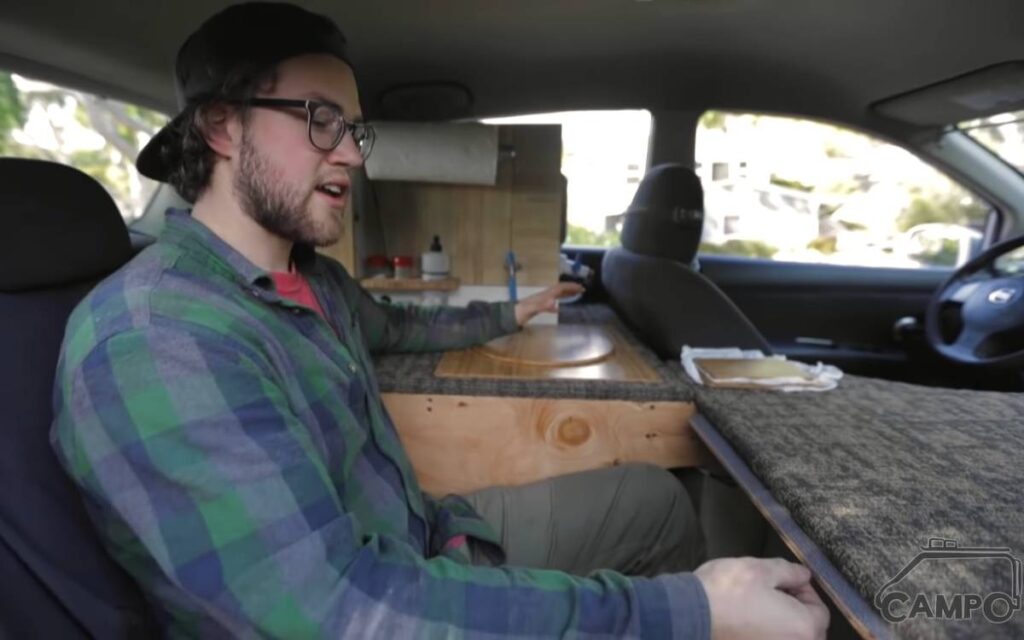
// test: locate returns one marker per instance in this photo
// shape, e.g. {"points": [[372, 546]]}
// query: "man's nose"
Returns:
{"points": [[346, 153]]}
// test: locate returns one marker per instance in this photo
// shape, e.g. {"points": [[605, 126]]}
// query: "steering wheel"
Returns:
{"points": [[977, 316]]}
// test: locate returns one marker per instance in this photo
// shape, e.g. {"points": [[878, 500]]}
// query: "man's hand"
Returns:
{"points": [[545, 301], [762, 599]]}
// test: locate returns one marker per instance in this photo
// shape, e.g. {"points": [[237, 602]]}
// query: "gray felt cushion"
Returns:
{"points": [[873, 469]]}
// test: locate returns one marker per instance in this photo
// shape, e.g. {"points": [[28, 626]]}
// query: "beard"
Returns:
{"points": [[276, 206]]}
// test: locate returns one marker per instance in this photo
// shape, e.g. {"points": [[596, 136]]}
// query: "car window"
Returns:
{"points": [[1003, 134], [604, 156], [791, 189], [98, 136]]}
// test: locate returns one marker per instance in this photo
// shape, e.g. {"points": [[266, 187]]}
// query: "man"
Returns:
{"points": [[216, 404]]}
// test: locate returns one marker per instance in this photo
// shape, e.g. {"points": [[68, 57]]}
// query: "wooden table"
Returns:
{"points": [[461, 443]]}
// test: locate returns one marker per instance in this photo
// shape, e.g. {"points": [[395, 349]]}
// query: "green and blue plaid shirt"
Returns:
{"points": [[232, 449]]}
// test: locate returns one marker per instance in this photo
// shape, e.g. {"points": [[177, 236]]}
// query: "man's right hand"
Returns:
{"points": [[762, 599]]}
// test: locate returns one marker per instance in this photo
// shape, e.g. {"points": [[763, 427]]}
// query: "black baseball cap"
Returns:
{"points": [[251, 36]]}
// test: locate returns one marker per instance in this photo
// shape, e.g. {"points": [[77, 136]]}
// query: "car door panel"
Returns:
{"points": [[848, 305], [843, 315], [810, 309]]}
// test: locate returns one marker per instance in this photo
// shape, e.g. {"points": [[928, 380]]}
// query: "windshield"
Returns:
{"points": [[1003, 134]]}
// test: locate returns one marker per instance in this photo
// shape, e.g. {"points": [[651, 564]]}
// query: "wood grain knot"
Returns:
{"points": [[573, 432]]}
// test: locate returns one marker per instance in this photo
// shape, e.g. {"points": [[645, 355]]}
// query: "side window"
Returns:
{"points": [[798, 190], [604, 156], [96, 135]]}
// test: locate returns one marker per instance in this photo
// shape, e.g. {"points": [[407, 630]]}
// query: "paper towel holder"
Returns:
{"points": [[426, 101]]}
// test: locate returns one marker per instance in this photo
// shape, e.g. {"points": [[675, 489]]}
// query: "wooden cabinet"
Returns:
{"points": [[459, 444], [462, 443], [478, 225]]}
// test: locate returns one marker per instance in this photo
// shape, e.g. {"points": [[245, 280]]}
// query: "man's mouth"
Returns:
{"points": [[334, 190]]}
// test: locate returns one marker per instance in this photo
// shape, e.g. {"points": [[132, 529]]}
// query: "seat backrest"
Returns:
{"points": [[60, 232], [653, 281]]}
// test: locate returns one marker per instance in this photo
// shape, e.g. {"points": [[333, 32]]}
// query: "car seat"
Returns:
{"points": [[61, 233], [653, 280]]}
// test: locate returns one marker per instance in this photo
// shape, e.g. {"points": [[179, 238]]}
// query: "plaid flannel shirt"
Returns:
{"points": [[233, 451]]}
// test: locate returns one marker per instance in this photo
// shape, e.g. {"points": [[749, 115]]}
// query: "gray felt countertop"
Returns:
{"points": [[414, 373]]}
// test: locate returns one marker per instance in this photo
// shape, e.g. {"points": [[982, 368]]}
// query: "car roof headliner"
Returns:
{"points": [[824, 58]]}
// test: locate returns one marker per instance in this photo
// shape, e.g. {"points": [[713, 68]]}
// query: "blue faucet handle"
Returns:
{"points": [[576, 264], [510, 263]]}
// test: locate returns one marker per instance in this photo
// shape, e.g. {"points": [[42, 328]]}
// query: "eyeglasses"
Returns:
{"points": [[325, 123]]}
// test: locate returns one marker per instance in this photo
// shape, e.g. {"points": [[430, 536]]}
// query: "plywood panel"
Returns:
{"points": [[473, 223], [537, 202], [409, 284], [459, 444], [479, 225], [495, 224], [536, 234]]}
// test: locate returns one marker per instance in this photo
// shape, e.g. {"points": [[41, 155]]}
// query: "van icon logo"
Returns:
{"points": [[897, 603], [1002, 296]]}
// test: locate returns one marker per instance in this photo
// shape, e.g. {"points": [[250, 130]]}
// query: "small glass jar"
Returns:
{"points": [[404, 267], [378, 266]]}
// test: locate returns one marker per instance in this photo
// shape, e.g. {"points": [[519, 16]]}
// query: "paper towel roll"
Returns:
{"points": [[434, 152]]}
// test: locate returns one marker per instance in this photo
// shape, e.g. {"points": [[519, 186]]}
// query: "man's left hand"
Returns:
{"points": [[545, 301]]}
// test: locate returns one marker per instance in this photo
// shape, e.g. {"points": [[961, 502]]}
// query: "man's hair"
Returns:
{"points": [[191, 166]]}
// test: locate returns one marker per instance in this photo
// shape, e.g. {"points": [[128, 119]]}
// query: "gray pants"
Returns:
{"points": [[636, 519]]}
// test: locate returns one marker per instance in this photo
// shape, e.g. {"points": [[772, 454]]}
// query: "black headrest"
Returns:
{"points": [[666, 216], [57, 226]]}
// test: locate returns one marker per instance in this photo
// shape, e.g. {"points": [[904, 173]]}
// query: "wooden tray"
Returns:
{"points": [[744, 373], [552, 346], [581, 352]]}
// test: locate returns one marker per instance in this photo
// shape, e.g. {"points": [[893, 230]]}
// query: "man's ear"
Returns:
{"points": [[221, 129]]}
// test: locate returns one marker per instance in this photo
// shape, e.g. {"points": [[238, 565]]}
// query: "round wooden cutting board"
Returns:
{"points": [[552, 346]]}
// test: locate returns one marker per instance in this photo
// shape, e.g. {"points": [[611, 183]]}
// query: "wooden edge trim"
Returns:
{"points": [[409, 284], [864, 619]]}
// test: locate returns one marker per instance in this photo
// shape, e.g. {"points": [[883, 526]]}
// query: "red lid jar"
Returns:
{"points": [[404, 266], [378, 266]]}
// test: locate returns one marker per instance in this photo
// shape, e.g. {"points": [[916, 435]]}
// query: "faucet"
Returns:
{"points": [[513, 267]]}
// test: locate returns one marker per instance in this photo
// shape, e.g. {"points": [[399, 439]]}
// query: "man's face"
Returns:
{"points": [[287, 185]]}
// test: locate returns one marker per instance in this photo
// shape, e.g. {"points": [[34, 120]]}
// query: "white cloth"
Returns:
{"points": [[824, 377]]}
